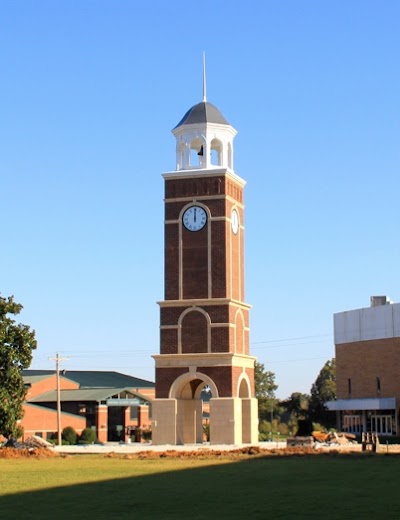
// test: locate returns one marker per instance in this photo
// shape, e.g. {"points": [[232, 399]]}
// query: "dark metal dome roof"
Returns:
{"points": [[203, 112]]}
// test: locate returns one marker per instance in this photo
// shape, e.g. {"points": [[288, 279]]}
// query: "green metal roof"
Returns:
{"points": [[94, 378], [86, 394], [34, 379]]}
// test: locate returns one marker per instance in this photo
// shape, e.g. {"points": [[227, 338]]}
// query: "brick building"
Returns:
{"points": [[367, 345], [113, 404]]}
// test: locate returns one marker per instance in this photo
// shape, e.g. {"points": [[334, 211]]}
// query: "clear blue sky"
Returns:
{"points": [[89, 93]]}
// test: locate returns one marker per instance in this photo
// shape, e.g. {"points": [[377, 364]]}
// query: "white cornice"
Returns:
{"points": [[203, 360], [203, 302], [203, 172], [215, 128]]}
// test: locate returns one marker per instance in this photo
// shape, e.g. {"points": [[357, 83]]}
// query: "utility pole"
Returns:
{"points": [[272, 416], [58, 359]]}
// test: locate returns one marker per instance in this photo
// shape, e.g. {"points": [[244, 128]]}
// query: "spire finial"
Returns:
{"points": [[204, 78]]}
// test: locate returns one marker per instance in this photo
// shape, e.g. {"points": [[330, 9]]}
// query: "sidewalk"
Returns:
{"points": [[137, 447]]}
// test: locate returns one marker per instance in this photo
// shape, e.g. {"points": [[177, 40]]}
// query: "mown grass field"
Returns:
{"points": [[308, 486]]}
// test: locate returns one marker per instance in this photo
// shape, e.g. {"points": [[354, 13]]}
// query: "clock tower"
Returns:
{"points": [[204, 320]]}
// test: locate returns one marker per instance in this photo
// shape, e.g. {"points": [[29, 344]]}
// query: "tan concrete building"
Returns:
{"points": [[367, 344]]}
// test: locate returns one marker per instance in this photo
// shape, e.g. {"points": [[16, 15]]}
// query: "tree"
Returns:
{"points": [[265, 387], [323, 390], [17, 342], [295, 411], [297, 405]]}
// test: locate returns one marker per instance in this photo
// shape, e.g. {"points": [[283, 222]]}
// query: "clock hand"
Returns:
{"points": [[195, 214]]}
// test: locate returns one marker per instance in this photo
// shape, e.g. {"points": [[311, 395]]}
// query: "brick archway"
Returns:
{"points": [[186, 390], [180, 383]]}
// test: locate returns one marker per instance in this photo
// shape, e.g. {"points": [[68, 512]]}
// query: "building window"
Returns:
{"points": [[352, 423], [383, 424], [349, 386], [378, 385], [134, 412]]}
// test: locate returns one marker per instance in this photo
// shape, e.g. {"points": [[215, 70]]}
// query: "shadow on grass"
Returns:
{"points": [[329, 487]]}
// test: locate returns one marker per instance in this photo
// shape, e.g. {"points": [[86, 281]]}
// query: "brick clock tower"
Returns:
{"points": [[204, 320]]}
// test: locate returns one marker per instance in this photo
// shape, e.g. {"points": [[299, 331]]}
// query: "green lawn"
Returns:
{"points": [[297, 487]]}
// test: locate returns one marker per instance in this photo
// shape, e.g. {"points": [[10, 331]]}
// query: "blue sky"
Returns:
{"points": [[89, 93]]}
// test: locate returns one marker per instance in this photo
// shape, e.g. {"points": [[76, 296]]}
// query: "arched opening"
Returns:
{"points": [[244, 393], [194, 333], [244, 390], [206, 396], [216, 152], [196, 153], [194, 337], [193, 393]]}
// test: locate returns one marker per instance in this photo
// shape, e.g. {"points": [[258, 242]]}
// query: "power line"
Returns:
{"points": [[289, 345], [295, 360], [291, 339], [145, 350]]}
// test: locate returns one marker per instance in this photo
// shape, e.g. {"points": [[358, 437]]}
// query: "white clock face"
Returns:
{"points": [[194, 218], [235, 221]]}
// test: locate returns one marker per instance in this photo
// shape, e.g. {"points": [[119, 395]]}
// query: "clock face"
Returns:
{"points": [[235, 221], [194, 218]]}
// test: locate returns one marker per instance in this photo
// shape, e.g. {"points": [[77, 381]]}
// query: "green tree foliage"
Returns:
{"points": [[17, 342], [264, 380], [265, 387], [297, 405], [266, 432], [323, 390], [295, 411]]}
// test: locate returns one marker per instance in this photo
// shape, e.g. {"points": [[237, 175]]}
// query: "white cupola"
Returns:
{"points": [[204, 138]]}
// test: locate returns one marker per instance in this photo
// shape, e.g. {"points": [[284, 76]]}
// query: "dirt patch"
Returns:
{"points": [[207, 453], [241, 453], [250, 452], [200, 454], [27, 453]]}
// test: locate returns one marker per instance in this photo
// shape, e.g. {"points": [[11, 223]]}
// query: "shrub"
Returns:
{"points": [[146, 434], [69, 435], [54, 440], [88, 436], [318, 427]]}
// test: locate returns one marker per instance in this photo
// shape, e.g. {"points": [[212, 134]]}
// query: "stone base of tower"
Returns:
{"points": [[164, 421], [179, 421], [233, 420], [250, 417]]}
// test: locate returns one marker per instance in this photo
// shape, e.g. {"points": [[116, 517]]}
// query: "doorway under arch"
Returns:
{"points": [[187, 390]]}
